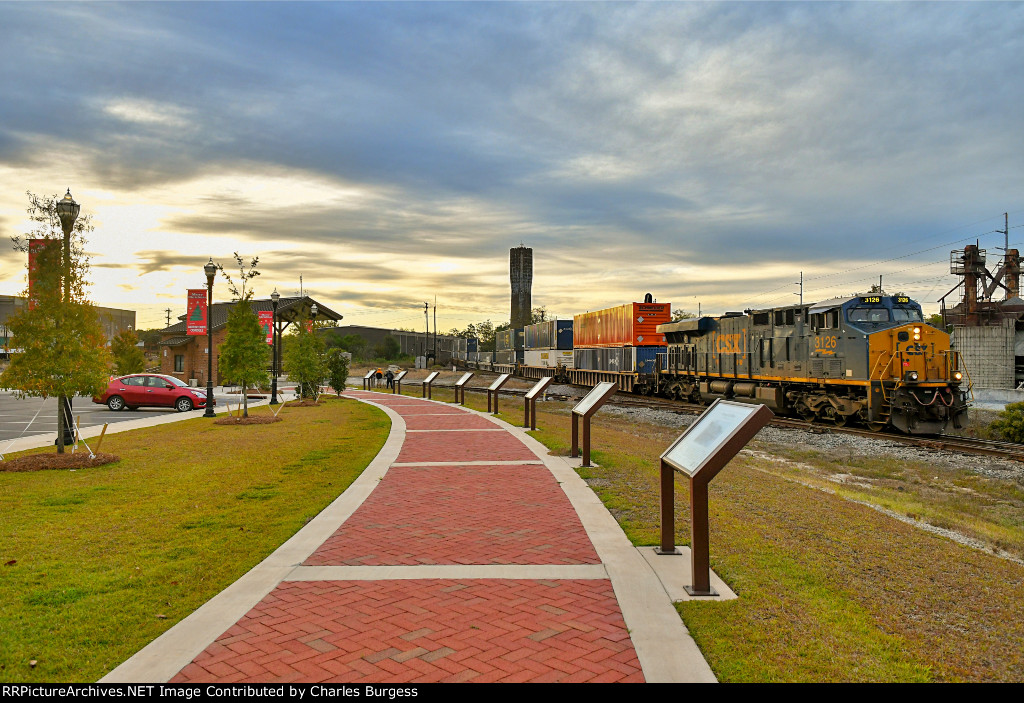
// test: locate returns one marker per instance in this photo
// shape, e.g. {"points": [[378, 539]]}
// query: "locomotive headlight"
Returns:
{"points": [[917, 334], [910, 377], [957, 376]]}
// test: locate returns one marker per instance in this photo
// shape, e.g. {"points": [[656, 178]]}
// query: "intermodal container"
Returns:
{"points": [[549, 358], [510, 339], [617, 359], [472, 344], [632, 324], [551, 334]]}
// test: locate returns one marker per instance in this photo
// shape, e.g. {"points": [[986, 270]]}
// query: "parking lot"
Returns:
{"points": [[33, 416]]}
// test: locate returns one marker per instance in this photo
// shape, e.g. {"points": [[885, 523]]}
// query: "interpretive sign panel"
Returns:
{"points": [[530, 404], [499, 381], [590, 404], [464, 380], [400, 376], [539, 387], [700, 453], [708, 434], [598, 394], [431, 376]]}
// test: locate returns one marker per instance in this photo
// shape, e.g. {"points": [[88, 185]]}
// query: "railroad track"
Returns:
{"points": [[984, 447]]}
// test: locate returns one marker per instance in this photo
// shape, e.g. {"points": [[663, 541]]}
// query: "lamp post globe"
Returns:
{"points": [[274, 298], [211, 271]]}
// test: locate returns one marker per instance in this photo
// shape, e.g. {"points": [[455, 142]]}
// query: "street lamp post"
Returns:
{"points": [[274, 297], [67, 211], [211, 271], [312, 320]]}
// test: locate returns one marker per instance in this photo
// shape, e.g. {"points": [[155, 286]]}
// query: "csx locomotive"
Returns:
{"points": [[867, 358]]}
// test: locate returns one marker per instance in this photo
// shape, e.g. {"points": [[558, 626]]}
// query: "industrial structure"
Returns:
{"points": [[987, 331], [521, 274]]}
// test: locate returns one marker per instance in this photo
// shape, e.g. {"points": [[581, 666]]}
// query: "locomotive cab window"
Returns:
{"points": [[868, 315], [906, 315]]}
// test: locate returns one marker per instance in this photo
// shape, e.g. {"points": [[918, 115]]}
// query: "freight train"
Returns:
{"points": [[866, 359]]}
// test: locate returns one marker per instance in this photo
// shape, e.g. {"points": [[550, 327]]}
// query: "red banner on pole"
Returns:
{"points": [[267, 323], [197, 314]]}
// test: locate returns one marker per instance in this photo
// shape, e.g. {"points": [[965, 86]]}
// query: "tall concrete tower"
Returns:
{"points": [[520, 272]]}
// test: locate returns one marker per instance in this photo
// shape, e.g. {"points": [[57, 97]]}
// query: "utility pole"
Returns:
{"points": [[435, 327], [801, 284], [426, 322], [168, 311]]}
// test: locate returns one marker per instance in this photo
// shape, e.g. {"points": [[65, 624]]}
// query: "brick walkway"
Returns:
{"points": [[469, 506]]}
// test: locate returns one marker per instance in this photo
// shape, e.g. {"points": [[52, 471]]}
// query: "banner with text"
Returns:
{"points": [[195, 320], [267, 323]]}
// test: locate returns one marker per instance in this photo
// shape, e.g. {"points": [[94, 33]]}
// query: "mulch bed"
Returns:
{"points": [[42, 462], [303, 404], [251, 420]]}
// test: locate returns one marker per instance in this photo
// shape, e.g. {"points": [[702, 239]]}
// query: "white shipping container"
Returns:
{"points": [[549, 358]]}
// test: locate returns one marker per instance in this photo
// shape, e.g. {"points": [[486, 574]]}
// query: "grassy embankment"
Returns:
{"points": [[830, 589], [108, 558]]}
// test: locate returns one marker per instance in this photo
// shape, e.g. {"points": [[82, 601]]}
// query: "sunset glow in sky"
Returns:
{"points": [[390, 152]]}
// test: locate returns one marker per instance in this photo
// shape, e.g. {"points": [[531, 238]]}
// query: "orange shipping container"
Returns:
{"points": [[632, 324]]}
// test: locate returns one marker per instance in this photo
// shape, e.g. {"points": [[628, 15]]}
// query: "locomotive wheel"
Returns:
{"points": [[876, 426], [806, 413], [840, 419]]}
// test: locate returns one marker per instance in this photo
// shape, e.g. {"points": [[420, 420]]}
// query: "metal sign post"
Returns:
{"points": [[493, 389], [366, 379], [586, 408], [460, 388], [427, 390], [397, 388], [700, 453], [530, 406]]}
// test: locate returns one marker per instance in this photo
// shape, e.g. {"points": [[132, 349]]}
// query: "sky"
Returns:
{"points": [[388, 153]]}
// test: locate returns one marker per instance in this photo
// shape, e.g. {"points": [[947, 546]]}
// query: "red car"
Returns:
{"points": [[137, 390]]}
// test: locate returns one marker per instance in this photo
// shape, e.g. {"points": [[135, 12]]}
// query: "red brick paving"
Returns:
{"points": [[463, 446], [425, 631], [439, 630], [462, 421], [461, 515]]}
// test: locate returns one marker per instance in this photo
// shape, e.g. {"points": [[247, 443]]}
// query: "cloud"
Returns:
{"points": [[743, 139]]}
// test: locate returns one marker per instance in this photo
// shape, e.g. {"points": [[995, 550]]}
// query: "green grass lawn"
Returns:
{"points": [[829, 589], [103, 560]]}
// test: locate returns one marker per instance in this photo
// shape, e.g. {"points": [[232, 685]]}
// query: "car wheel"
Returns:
{"points": [[115, 403], [183, 405]]}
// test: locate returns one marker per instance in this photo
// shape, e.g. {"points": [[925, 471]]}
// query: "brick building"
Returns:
{"points": [[184, 356]]}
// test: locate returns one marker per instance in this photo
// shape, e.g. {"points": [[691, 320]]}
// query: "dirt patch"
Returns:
{"points": [[251, 420], [44, 462], [303, 404]]}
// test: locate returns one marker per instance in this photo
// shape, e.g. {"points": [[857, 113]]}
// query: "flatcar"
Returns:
{"points": [[869, 359]]}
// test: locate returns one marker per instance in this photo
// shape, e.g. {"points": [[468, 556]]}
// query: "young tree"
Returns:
{"points": [[388, 349], [680, 314], [128, 358], [305, 360], [64, 351], [337, 369], [245, 355]]}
